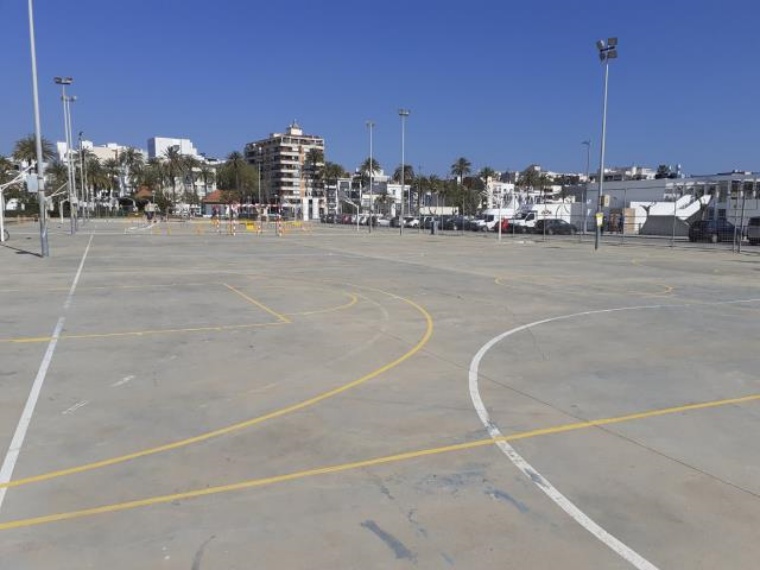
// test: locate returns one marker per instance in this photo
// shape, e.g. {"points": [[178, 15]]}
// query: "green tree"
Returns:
{"points": [[333, 171], [314, 167], [530, 177], [57, 174], [408, 174], [189, 165], [237, 179], [174, 166], [7, 172], [131, 161], [25, 149], [461, 168]]}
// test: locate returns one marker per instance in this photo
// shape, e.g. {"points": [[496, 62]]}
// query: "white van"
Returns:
{"points": [[490, 217]]}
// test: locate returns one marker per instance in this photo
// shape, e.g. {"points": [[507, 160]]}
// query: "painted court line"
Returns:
{"points": [[383, 460], [526, 468], [11, 456], [250, 422], [261, 306]]}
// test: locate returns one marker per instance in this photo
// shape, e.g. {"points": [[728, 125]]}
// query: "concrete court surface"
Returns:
{"points": [[327, 399]]}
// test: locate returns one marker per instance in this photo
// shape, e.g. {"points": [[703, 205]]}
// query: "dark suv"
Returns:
{"points": [[551, 227], [712, 231]]}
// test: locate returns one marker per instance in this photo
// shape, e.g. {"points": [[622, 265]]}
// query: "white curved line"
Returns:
{"points": [[527, 469], [541, 482]]}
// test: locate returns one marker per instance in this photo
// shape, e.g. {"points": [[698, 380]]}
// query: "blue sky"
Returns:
{"points": [[502, 83]]}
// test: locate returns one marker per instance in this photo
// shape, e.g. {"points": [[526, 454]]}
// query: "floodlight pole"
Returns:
{"points": [[44, 248], [607, 51], [403, 113], [63, 82]]}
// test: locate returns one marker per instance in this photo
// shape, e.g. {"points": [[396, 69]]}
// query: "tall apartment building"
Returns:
{"points": [[286, 173]]}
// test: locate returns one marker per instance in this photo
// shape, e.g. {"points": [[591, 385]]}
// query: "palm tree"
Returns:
{"points": [[25, 149], [132, 161], [173, 167], [333, 171], [408, 174], [461, 168], [58, 174], [6, 169], [314, 164], [111, 173], [369, 165], [190, 164]]}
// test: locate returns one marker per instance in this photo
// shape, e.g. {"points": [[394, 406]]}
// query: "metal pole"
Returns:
{"points": [[64, 99], [44, 249], [675, 211], [587, 144], [501, 201], [370, 126], [403, 113], [741, 221], [81, 173], [601, 155]]}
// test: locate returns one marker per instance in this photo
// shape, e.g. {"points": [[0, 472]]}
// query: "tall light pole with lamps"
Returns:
{"points": [[44, 249], [371, 126], [607, 51], [63, 82], [403, 113]]}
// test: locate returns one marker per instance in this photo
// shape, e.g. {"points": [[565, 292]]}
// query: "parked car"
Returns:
{"points": [[395, 222], [411, 222], [753, 231], [453, 223], [504, 226], [712, 230], [554, 227], [382, 222]]}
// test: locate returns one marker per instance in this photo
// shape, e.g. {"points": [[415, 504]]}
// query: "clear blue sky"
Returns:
{"points": [[502, 83]]}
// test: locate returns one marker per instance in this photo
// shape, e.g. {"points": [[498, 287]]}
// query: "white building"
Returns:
{"points": [[157, 147], [732, 195]]}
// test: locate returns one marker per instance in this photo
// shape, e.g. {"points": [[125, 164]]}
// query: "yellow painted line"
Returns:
{"points": [[247, 423], [23, 340], [666, 290], [351, 303], [261, 306], [332, 469]]}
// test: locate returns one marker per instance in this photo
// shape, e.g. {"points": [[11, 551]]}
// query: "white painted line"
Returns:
{"points": [[540, 481], [123, 381], [11, 457], [75, 407]]}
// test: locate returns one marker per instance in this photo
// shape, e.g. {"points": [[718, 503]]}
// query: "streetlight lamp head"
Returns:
{"points": [[403, 112], [64, 80], [600, 45]]}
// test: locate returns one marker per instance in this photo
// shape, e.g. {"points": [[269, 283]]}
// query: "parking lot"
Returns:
{"points": [[173, 397]]}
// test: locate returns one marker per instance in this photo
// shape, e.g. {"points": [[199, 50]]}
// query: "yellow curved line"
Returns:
{"points": [[351, 303], [244, 424], [251, 483]]}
